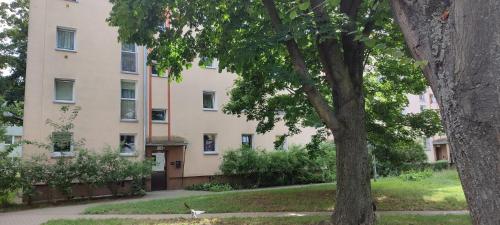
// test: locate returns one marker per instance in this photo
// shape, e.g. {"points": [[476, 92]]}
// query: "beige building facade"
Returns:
{"points": [[75, 59], [436, 147]]}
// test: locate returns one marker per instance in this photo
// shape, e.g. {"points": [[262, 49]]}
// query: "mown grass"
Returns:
{"points": [[442, 191], [384, 220]]}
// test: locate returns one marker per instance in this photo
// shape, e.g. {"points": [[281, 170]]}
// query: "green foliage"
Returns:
{"points": [[440, 165], [272, 168], [9, 179], [114, 170], [13, 49], [138, 171], [399, 157], [239, 34], [213, 187], [11, 114], [33, 172], [87, 165], [413, 175]]}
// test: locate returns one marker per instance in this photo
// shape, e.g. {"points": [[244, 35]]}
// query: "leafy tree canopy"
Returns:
{"points": [[13, 49], [239, 34]]}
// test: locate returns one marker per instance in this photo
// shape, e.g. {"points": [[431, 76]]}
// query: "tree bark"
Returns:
{"points": [[461, 42], [346, 121], [353, 197]]}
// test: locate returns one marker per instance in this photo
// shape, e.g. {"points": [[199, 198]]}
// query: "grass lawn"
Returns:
{"points": [[385, 220], [442, 191]]}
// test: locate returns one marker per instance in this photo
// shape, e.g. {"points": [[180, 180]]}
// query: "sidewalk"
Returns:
{"points": [[42, 215]]}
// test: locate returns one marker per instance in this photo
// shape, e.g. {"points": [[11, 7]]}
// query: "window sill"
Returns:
{"points": [[64, 102], [211, 67], [66, 50], [129, 72], [62, 155], [129, 121], [159, 122], [210, 110], [128, 154], [210, 153]]}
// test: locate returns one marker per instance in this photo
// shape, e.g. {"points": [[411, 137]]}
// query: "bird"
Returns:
{"points": [[194, 213]]}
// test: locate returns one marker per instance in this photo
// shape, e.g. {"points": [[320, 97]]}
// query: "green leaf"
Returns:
{"points": [[303, 6], [421, 63], [293, 14]]}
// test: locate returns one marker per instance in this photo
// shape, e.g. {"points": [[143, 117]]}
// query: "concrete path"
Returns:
{"points": [[42, 215]]}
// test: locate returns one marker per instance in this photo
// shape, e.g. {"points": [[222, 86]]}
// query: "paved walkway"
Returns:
{"points": [[42, 215]]}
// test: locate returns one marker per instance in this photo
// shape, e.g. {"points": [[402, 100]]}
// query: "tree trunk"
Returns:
{"points": [[463, 51], [353, 201]]}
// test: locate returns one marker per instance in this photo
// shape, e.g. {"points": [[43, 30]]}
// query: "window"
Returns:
{"points": [[8, 139], [62, 141], [129, 58], [246, 140], [159, 115], [209, 100], [154, 70], [64, 91], [128, 100], [66, 39], [422, 98], [209, 63], [422, 108], [209, 143], [127, 144]]}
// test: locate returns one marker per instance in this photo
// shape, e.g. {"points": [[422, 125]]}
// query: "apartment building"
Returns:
{"points": [[436, 147], [13, 135], [74, 58]]}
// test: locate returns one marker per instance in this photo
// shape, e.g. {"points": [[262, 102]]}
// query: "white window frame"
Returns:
{"points": [[128, 99], [214, 100], [159, 121], [134, 153], [70, 29], [72, 91], [136, 59], [214, 152]]}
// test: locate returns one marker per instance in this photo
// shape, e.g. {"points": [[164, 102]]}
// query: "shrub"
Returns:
{"points": [[10, 180], [400, 157], [440, 165], [416, 175], [87, 165], [138, 172], [213, 187], [113, 170], [32, 172], [273, 168]]}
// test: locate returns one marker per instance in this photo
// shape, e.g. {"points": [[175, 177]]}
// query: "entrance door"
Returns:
{"points": [[159, 176]]}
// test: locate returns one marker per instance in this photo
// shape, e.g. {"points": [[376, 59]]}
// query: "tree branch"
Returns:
{"points": [[314, 96], [330, 54]]}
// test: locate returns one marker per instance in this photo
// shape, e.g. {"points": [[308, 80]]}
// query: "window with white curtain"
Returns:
{"points": [[64, 90], [128, 100], [129, 58], [66, 39]]}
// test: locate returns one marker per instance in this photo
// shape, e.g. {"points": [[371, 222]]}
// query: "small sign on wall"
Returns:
{"points": [[159, 159]]}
